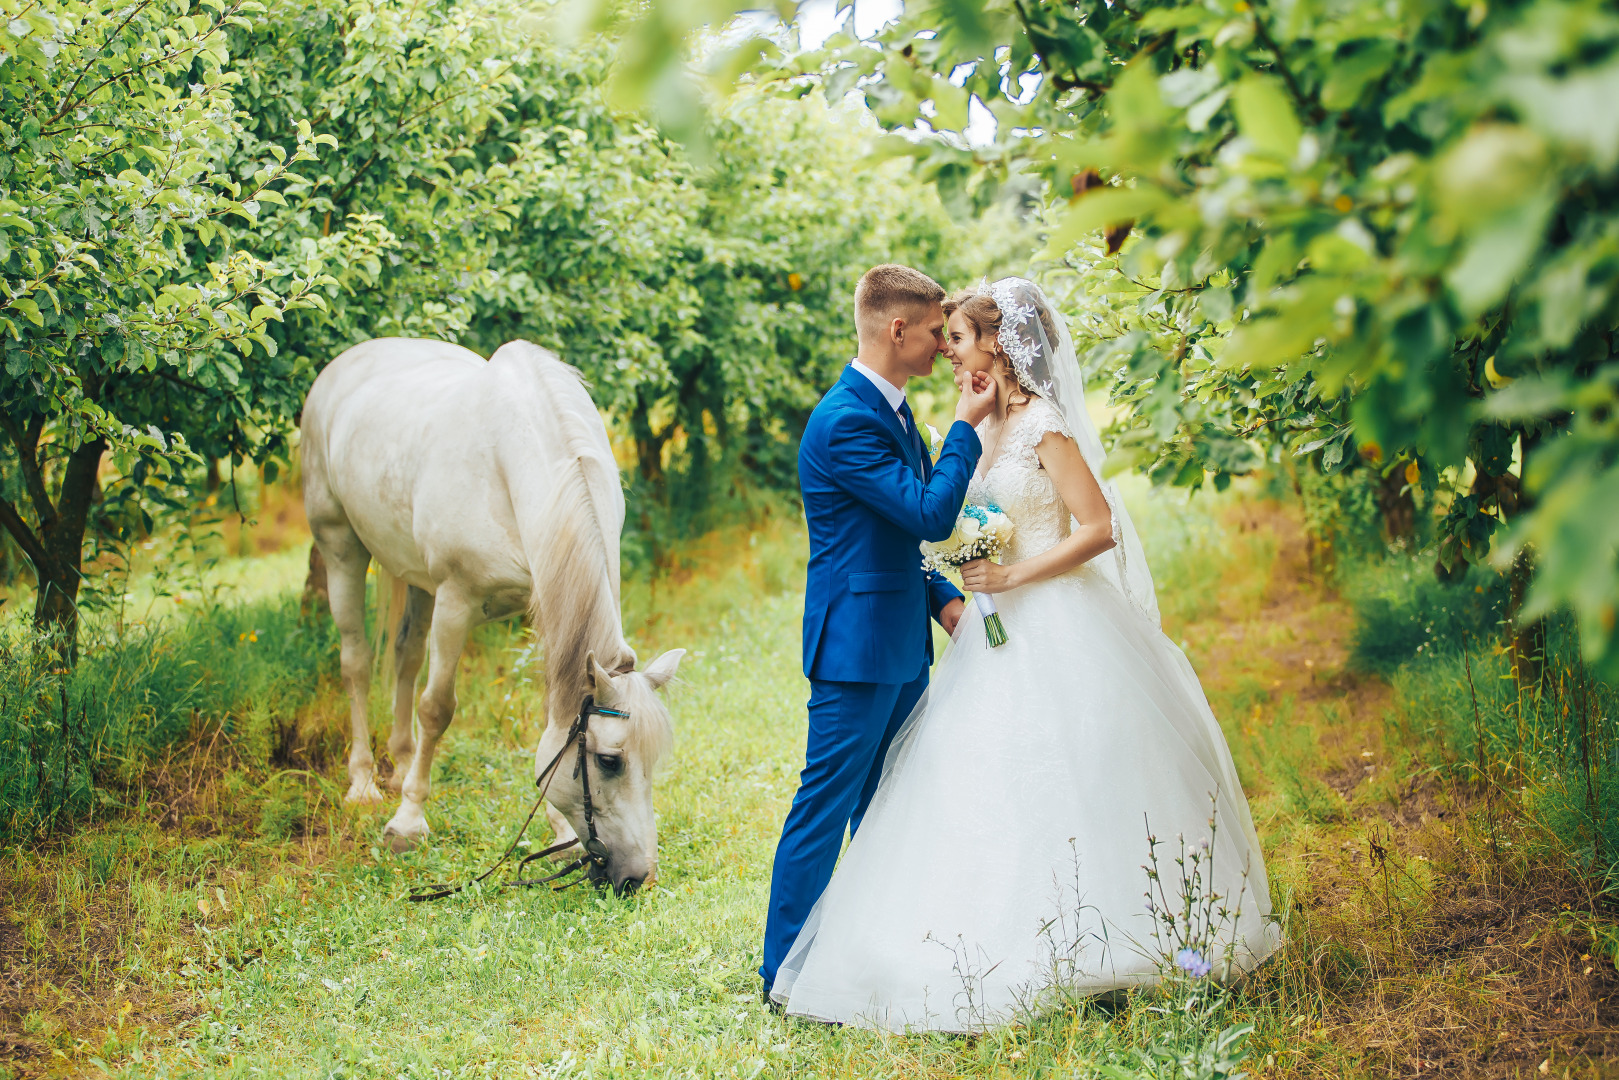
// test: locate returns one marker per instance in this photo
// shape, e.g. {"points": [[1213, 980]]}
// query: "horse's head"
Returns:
{"points": [[621, 752]]}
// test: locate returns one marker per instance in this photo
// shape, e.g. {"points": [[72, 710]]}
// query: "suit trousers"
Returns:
{"points": [[850, 727]]}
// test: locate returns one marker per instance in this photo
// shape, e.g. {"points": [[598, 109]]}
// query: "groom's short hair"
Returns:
{"points": [[889, 291]]}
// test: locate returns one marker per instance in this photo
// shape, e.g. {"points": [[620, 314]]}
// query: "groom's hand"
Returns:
{"points": [[950, 615], [977, 398]]}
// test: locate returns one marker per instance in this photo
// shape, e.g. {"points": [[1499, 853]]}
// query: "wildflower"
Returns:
{"points": [[1191, 961]]}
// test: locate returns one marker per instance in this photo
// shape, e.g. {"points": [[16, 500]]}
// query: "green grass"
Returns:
{"points": [[73, 742], [1553, 743], [261, 931], [286, 929]]}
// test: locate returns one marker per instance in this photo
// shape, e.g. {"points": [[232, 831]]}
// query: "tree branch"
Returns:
{"points": [[1071, 81], [66, 104], [399, 128], [19, 530], [69, 102], [1262, 32], [187, 383], [27, 443]]}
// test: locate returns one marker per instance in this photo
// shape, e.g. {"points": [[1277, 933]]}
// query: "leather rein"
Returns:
{"points": [[594, 852]]}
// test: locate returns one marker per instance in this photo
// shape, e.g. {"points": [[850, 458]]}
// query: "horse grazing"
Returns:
{"points": [[488, 488]]}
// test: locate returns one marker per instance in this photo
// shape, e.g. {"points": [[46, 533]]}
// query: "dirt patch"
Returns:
{"points": [[74, 909], [1433, 929], [64, 985], [1427, 947]]}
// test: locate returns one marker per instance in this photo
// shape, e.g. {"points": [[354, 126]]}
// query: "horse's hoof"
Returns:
{"points": [[407, 829], [363, 793]]}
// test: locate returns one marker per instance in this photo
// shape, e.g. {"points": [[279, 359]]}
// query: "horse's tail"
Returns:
{"points": [[569, 507], [391, 596]]}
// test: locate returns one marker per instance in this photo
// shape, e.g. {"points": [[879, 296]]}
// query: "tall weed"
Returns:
{"points": [[1556, 741], [1553, 741], [1403, 612], [69, 738]]}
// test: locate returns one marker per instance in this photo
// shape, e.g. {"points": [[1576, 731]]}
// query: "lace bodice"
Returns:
{"points": [[1018, 485]]}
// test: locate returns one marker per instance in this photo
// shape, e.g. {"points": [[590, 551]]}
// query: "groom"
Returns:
{"points": [[871, 495]]}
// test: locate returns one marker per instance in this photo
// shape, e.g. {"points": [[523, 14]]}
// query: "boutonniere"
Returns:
{"points": [[935, 441]]}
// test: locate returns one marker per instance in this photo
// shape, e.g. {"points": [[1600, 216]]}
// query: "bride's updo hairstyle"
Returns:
{"points": [[984, 316]]}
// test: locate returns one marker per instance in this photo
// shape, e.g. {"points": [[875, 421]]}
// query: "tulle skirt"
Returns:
{"points": [[1002, 860]]}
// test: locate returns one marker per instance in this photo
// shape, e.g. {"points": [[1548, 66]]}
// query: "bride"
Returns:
{"points": [[1000, 862]]}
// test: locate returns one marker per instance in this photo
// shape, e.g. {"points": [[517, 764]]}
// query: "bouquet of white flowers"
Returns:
{"points": [[982, 532]]}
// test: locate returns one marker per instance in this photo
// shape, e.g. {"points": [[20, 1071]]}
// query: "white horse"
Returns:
{"points": [[488, 488]]}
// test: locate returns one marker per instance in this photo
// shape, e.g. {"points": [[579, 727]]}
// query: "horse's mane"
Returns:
{"points": [[574, 604]]}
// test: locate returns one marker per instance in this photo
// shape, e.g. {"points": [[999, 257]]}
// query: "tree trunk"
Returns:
{"points": [[1398, 507], [1527, 643], [61, 539]]}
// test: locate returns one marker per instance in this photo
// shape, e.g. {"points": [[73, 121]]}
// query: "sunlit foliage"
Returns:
{"points": [[179, 264], [1367, 233]]}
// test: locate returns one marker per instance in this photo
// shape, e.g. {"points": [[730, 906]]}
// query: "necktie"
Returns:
{"points": [[910, 428]]}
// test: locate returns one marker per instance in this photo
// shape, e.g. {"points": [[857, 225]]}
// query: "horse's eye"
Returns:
{"points": [[610, 764]]}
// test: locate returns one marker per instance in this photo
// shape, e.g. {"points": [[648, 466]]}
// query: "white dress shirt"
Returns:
{"points": [[891, 393]]}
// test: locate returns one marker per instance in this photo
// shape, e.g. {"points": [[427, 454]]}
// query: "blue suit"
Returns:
{"points": [[871, 495]]}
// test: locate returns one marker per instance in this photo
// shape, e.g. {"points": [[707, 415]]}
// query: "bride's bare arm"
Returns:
{"points": [[1060, 457]]}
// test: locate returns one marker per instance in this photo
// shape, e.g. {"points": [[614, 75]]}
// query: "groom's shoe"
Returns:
{"points": [[771, 1003]]}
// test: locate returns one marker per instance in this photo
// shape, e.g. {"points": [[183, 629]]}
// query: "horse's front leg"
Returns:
{"points": [[453, 617], [564, 832]]}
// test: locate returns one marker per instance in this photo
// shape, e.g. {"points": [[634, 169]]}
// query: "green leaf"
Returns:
{"points": [[29, 309], [1578, 109], [1099, 209], [1341, 251], [950, 105], [1215, 304], [1497, 254], [1276, 262], [1349, 76], [1201, 112], [1265, 117], [1529, 398]]}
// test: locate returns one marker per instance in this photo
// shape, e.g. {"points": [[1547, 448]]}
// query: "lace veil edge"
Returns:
{"points": [[1036, 339]]}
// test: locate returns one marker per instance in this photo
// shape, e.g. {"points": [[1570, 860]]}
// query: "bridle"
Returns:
{"points": [[594, 851]]}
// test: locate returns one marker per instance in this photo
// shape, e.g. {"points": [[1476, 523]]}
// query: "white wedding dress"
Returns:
{"points": [[1002, 857]]}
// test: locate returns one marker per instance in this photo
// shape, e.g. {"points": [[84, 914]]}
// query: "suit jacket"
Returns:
{"points": [[871, 496]]}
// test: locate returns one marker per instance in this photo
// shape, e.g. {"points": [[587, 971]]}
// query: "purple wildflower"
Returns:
{"points": [[1191, 961]]}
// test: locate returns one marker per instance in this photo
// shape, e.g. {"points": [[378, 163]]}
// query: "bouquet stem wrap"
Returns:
{"points": [[993, 630]]}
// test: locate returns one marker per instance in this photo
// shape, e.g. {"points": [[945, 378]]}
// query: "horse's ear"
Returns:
{"points": [[600, 677], [663, 668]]}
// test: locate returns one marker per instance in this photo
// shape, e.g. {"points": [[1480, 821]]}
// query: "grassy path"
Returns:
{"points": [[208, 946]]}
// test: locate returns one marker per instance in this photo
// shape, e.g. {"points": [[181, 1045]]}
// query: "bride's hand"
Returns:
{"points": [[984, 576]]}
